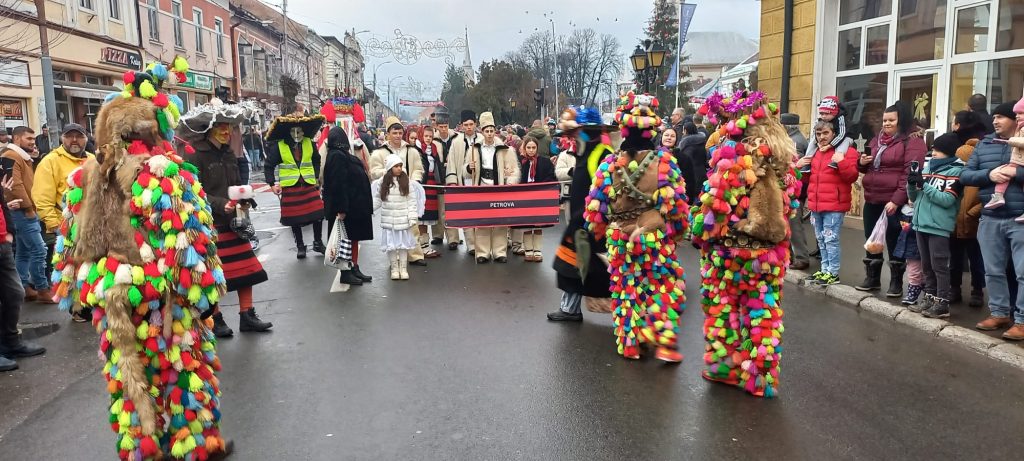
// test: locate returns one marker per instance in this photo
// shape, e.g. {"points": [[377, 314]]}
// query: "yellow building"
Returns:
{"points": [[92, 43], [932, 54]]}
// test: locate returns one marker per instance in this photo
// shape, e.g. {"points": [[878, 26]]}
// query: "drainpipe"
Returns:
{"points": [[787, 55]]}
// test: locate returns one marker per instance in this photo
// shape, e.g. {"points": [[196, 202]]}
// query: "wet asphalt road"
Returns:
{"points": [[460, 364]]}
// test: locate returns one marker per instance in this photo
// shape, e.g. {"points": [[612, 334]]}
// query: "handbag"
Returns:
{"points": [[242, 226], [339, 247]]}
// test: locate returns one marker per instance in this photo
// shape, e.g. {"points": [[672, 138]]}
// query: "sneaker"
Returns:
{"points": [[668, 355], [814, 279], [923, 304], [82, 316], [996, 201], [828, 279], [939, 309], [913, 294], [21, 350]]}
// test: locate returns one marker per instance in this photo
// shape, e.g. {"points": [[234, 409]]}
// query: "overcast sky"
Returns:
{"points": [[496, 27]]}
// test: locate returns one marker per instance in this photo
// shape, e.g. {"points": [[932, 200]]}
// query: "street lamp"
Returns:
{"points": [[512, 104], [646, 62]]}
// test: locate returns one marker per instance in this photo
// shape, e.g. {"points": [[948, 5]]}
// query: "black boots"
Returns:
{"points": [[359, 274], [560, 316], [319, 247], [873, 275], [350, 278], [249, 321], [300, 245], [300, 252], [896, 270], [220, 327]]}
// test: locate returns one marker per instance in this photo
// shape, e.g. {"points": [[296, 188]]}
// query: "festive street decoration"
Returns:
{"points": [[407, 49], [741, 226]]}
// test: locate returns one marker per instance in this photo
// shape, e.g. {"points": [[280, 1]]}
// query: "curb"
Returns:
{"points": [[860, 301]]}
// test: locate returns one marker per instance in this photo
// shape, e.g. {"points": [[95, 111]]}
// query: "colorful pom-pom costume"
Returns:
{"points": [[137, 246], [637, 201], [741, 224]]}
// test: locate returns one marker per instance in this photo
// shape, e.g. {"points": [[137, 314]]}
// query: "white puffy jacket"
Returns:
{"points": [[398, 212]]}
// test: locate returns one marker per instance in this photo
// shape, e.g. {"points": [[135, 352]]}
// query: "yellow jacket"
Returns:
{"points": [[51, 182]]}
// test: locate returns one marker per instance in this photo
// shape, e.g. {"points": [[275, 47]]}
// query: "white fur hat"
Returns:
{"points": [[391, 161], [486, 120]]}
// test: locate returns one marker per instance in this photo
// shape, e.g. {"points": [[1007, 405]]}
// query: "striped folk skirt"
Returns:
{"points": [[430, 211], [300, 205], [241, 268]]}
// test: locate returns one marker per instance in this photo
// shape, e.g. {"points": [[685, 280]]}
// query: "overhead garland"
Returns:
{"points": [[407, 49]]}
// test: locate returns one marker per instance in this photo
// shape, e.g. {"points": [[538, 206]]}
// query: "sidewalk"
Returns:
{"points": [[851, 273]]}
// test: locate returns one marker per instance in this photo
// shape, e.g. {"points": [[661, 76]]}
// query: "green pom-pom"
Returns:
{"points": [[134, 297], [190, 167], [772, 107], [137, 189], [171, 171], [74, 196]]}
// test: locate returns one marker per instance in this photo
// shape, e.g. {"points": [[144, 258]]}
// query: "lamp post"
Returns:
{"points": [[390, 94], [512, 104], [646, 62]]}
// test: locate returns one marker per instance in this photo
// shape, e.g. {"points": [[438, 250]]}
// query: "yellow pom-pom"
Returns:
{"points": [[180, 64], [147, 90]]}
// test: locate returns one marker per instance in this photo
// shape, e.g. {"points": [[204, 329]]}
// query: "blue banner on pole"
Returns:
{"points": [[685, 17]]}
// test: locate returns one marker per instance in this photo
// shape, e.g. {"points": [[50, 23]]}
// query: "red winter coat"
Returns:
{"points": [[888, 182], [830, 189]]}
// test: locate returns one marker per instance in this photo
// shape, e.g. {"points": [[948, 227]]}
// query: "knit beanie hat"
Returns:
{"points": [[829, 105], [947, 144], [1005, 109], [1019, 107]]}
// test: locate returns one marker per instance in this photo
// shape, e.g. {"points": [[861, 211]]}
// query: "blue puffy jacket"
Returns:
{"points": [[988, 156]]}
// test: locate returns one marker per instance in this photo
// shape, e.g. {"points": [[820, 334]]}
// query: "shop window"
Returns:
{"points": [[972, 29], [92, 79], [91, 108], [1010, 32], [861, 10], [1000, 80], [179, 39], [865, 99], [849, 49], [877, 45], [920, 30], [60, 75], [202, 99]]}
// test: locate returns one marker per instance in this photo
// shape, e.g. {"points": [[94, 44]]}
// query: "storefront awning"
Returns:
{"points": [[85, 90]]}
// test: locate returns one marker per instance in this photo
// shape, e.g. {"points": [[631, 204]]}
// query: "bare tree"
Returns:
{"points": [[588, 64]]}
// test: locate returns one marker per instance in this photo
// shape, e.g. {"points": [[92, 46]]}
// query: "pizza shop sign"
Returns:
{"points": [[121, 58]]}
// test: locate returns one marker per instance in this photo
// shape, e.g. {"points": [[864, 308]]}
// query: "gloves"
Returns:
{"points": [[915, 179]]}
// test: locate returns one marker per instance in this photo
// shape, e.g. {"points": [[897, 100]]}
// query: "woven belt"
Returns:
{"points": [[628, 215]]}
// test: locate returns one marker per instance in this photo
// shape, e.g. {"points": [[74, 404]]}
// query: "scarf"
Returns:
{"points": [[884, 141], [937, 163], [533, 168]]}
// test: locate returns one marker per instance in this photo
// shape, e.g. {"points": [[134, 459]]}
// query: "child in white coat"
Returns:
{"points": [[400, 203]]}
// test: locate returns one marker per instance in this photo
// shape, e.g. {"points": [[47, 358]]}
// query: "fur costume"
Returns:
{"points": [[741, 226], [637, 202], [137, 246]]}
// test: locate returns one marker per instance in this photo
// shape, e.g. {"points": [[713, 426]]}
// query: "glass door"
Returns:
{"points": [[920, 89]]}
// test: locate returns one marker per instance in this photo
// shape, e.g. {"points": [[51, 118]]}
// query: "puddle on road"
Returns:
{"points": [[38, 330]]}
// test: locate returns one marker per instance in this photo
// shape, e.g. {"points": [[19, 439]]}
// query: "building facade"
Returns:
{"points": [[197, 30], [92, 43], [344, 66], [932, 54], [257, 63]]}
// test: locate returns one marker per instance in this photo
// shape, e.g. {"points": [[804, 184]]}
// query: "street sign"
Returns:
{"points": [[197, 81]]}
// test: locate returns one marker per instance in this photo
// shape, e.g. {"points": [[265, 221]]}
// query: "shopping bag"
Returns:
{"points": [[876, 241], [339, 247]]}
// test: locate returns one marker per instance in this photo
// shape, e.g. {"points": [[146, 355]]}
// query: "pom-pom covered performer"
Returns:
{"points": [[137, 246], [638, 203], [741, 224]]}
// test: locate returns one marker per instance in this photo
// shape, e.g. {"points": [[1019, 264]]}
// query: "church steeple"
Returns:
{"points": [[467, 63]]}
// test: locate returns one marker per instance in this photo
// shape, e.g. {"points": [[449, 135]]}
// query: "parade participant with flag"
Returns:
{"points": [[490, 162], [456, 172], [290, 145], [638, 203]]}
